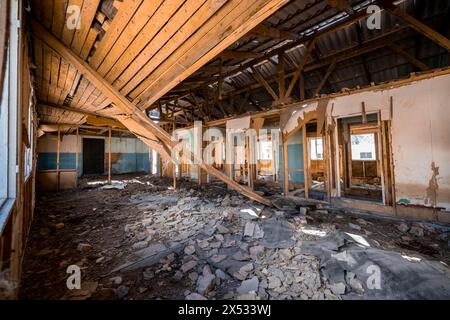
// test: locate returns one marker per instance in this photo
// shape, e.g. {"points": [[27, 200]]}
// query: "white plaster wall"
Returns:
{"points": [[421, 135]]}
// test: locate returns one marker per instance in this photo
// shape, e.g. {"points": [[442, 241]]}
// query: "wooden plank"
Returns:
{"points": [[245, 15], [416, 24], [265, 31], [118, 25], [306, 169], [59, 8], [47, 14], [76, 110], [281, 76], [134, 119], [88, 44], [153, 40], [141, 30], [87, 15], [230, 54], [264, 83], [189, 28], [325, 77], [68, 30], [309, 47], [285, 167], [109, 155]]}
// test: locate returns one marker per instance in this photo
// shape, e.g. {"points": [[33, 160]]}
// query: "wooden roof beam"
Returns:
{"points": [[273, 33], [136, 120], [416, 24]]}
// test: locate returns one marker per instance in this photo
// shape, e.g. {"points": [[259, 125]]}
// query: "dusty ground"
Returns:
{"points": [[149, 242]]}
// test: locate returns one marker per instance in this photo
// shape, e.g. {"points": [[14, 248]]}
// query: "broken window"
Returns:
{"points": [[316, 148], [363, 146]]}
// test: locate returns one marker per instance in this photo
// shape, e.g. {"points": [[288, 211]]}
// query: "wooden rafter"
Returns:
{"points": [[326, 76], [273, 33], [411, 59]]}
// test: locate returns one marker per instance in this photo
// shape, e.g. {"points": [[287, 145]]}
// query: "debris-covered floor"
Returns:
{"points": [[139, 239]]}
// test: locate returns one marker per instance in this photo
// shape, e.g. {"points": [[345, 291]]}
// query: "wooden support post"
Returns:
{"points": [[58, 150], [76, 157], [302, 86], [325, 78], [281, 77], [285, 166], [174, 165], [109, 155], [305, 161]]}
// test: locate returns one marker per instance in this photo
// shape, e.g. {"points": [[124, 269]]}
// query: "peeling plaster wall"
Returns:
{"points": [[420, 135], [421, 140]]}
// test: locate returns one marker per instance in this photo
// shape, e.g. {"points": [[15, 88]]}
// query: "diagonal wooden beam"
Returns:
{"points": [[134, 119], [258, 77], [411, 59], [229, 54], [274, 33], [416, 24], [75, 110], [326, 76], [310, 46]]}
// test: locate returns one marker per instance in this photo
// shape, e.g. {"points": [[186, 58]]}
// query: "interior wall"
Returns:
{"points": [[295, 158], [128, 155]]}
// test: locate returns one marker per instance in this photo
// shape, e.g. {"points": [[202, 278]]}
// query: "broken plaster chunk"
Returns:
{"points": [[140, 245], [206, 282], [258, 232], [273, 282], [189, 250], [84, 247], [188, 266], [249, 229], [221, 229], [247, 286], [195, 296], [338, 288], [403, 227], [416, 231], [354, 226], [218, 258]]}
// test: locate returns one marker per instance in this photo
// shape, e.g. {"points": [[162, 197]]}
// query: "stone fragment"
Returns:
{"points": [[122, 291], [84, 247], [354, 226], [116, 280], [206, 281], [249, 229], [195, 296], [248, 286], [258, 233], [218, 258], [148, 274], [273, 282], [189, 250], [338, 288], [188, 266], [140, 245], [416, 231], [256, 251], [403, 227], [221, 229]]}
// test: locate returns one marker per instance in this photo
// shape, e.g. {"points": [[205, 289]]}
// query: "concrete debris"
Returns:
{"points": [[195, 296], [188, 266], [117, 185], [206, 242], [206, 281], [84, 247], [248, 286], [416, 231], [249, 229]]}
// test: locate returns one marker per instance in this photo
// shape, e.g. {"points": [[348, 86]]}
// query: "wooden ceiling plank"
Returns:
{"points": [[54, 75], [245, 15], [199, 18], [59, 10], [69, 31], [114, 31], [88, 12], [141, 29], [47, 14], [136, 120], [183, 14], [88, 44]]}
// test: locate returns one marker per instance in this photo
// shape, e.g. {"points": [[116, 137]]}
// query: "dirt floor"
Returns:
{"points": [[147, 241]]}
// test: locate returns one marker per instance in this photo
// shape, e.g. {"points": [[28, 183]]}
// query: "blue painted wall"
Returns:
{"points": [[295, 157]]}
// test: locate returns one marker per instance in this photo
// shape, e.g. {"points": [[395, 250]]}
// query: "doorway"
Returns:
{"points": [[361, 167], [93, 156]]}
